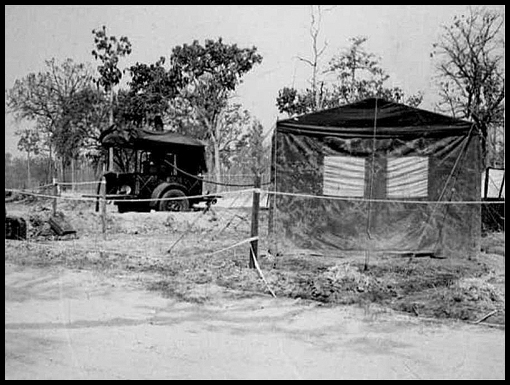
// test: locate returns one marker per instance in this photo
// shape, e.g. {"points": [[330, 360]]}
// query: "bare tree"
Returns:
{"points": [[315, 29], [470, 70]]}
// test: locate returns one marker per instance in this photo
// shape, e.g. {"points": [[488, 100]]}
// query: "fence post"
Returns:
{"points": [[103, 207], [255, 221], [55, 193]]}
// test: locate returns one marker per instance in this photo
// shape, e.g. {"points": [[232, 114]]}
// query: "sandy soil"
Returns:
{"points": [[77, 324], [152, 299]]}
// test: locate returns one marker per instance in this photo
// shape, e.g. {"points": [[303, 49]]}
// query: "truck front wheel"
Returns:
{"points": [[174, 204]]}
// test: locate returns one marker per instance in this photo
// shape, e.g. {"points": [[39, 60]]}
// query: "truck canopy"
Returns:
{"points": [[144, 139], [191, 149]]}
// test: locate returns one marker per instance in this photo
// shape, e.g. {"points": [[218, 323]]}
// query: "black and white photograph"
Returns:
{"points": [[259, 192]]}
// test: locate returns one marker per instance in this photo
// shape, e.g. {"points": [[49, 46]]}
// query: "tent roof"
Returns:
{"points": [[389, 118]]}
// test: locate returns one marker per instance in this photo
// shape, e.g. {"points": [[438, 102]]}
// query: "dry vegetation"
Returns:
{"points": [[176, 253]]}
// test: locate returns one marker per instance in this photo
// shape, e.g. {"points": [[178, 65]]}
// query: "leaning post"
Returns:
{"points": [[55, 194], [103, 206], [255, 220]]}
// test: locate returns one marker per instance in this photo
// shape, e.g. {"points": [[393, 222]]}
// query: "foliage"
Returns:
{"points": [[294, 102], [209, 74], [29, 141], [108, 50], [150, 90], [226, 64], [16, 171], [57, 100], [234, 124], [192, 97], [357, 75], [232, 135], [249, 154], [470, 68], [258, 161], [84, 117], [358, 72]]}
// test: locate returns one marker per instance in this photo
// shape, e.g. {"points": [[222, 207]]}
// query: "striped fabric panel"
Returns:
{"points": [[496, 183], [344, 176], [407, 177]]}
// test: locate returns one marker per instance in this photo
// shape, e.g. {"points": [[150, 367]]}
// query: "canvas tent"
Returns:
{"points": [[379, 176]]}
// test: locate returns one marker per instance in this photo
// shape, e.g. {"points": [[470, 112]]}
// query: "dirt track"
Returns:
{"points": [[78, 324]]}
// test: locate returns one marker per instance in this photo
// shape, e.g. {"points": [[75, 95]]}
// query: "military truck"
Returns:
{"points": [[155, 165]]}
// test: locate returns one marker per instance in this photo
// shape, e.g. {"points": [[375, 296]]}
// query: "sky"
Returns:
{"points": [[401, 35]]}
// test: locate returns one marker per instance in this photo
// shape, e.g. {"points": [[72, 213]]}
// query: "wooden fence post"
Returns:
{"points": [[55, 193], [255, 221], [103, 206]]}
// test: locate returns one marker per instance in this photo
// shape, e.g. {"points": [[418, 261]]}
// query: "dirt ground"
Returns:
{"points": [[79, 324], [166, 296]]}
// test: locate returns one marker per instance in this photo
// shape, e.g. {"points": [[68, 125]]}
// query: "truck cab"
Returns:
{"points": [[160, 171]]}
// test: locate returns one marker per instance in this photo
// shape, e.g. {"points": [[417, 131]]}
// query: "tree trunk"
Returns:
{"points": [[29, 182], [213, 131], [73, 179], [63, 174], [50, 167], [110, 149], [217, 164]]}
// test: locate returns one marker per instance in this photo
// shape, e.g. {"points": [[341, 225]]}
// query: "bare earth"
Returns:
{"points": [[77, 324], [157, 298]]}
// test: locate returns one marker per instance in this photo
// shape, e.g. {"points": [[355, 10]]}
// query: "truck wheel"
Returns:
{"points": [[174, 204]]}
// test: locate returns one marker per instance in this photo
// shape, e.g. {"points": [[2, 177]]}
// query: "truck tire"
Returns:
{"points": [[175, 204]]}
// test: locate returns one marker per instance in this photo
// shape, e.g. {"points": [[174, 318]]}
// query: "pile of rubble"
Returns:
{"points": [[41, 224]]}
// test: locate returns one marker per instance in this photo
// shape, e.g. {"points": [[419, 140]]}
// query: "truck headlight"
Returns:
{"points": [[125, 189]]}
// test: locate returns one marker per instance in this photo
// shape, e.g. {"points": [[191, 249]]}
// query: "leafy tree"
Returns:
{"points": [[89, 118], [108, 51], [46, 98], [235, 122], [358, 72], [150, 90], [210, 73], [294, 102], [258, 154], [470, 68]]}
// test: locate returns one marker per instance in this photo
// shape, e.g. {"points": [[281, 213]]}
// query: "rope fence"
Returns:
{"points": [[214, 244], [111, 198], [103, 199]]}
